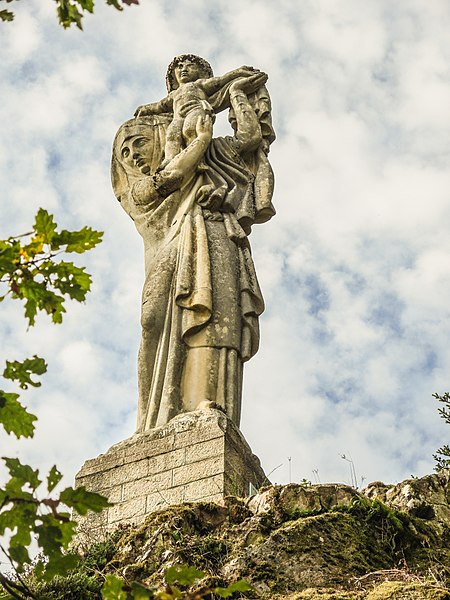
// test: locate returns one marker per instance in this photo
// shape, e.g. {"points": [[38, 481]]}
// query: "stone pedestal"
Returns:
{"points": [[199, 455]]}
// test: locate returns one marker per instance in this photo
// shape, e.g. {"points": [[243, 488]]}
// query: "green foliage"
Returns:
{"points": [[82, 500], [113, 589], [85, 582], [178, 575], [30, 273], [238, 586], [6, 15], [370, 510], [71, 12], [98, 555], [21, 371], [442, 456], [78, 241], [76, 585], [88, 581], [379, 510], [14, 417], [53, 478], [182, 575], [27, 516]]}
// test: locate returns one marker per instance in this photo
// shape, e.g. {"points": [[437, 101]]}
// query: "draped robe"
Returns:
{"points": [[201, 299]]}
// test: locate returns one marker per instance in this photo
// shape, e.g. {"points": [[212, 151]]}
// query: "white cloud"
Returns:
{"points": [[354, 267], [19, 43]]}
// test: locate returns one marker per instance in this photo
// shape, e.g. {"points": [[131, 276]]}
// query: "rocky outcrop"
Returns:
{"points": [[324, 542], [426, 498], [297, 542]]}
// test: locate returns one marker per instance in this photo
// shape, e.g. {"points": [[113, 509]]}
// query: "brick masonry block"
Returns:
{"points": [[204, 450], [127, 510], [165, 498], [146, 447], [198, 470], [147, 485], [200, 489], [199, 455], [167, 461], [128, 472]]}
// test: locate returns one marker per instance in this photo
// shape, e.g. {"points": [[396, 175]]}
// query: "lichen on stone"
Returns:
{"points": [[321, 542]]}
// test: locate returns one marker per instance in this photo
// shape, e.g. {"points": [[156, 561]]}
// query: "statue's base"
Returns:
{"points": [[199, 455]]}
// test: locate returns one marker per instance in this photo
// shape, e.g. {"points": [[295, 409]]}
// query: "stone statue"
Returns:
{"points": [[191, 84], [194, 199]]}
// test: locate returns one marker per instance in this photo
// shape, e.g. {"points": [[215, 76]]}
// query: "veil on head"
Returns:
{"points": [[152, 127]]}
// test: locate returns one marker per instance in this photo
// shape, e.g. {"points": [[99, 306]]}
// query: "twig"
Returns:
{"points": [[23, 586]]}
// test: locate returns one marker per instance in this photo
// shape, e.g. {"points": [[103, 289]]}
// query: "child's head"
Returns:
{"points": [[186, 67]]}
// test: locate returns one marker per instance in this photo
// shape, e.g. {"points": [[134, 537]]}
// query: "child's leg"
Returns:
{"points": [[189, 130]]}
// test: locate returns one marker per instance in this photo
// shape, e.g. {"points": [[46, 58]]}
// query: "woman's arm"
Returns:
{"points": [[150, 191], [247, 130], [184, 164]]}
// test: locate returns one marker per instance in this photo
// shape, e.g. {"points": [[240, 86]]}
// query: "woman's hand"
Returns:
{"points": [[248, 85], [246, 71], [204, 127]]}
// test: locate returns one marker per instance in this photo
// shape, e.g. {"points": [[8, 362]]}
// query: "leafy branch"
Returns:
{"points": [[28, 517], [71, 12], [176, 577], [29, 272], [442, 456]]}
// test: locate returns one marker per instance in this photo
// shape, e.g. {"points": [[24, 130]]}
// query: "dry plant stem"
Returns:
{"points": [[11, 586], [405, 575]]}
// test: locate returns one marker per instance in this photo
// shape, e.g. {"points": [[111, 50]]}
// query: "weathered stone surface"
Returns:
{"points": [[321, 542], [207, 449], [397, 590], [193, 465], [162, 499], [146, 485], [134, 510], [427, 497], [194, 200], [296, 500], [199, 470], [206, 489]]}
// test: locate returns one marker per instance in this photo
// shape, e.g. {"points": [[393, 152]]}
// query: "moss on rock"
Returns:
{"points": [[324, 542], [398, 590]]}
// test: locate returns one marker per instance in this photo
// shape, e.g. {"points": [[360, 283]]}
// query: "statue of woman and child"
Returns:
{"points": [[194, 199]]}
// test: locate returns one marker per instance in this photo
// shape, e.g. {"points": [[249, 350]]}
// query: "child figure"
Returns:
{"points": [[191, 85]]}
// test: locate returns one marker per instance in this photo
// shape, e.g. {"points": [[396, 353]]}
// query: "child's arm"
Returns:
{"points": [[213, 84], [155, 108]]}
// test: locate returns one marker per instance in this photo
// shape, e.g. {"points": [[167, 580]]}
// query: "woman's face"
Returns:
{"points": [[136, 151]]}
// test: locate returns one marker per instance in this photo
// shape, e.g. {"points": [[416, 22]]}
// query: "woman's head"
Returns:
{"points": [[137, 151]]}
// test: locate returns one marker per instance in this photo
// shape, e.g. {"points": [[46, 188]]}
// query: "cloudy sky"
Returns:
{"points": [[355, 267]]}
